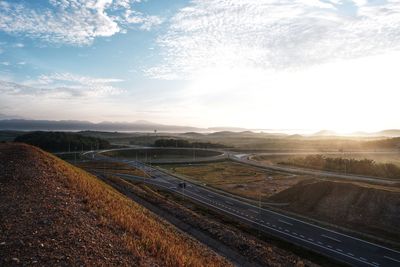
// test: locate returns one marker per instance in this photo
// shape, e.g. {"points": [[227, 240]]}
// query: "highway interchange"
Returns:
{"points": [[339, 246]]}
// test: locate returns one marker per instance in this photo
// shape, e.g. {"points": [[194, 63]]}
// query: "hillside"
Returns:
{"points": [[53, 214], [363, 207]]}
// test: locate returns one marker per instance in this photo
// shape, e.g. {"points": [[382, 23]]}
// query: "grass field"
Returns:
{"points": [[235, 178]]}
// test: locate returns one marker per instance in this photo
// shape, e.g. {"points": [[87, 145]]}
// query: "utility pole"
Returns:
{"points": [[259, 211], [150, 157]]}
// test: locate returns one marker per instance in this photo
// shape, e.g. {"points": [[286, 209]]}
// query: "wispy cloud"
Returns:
{"points": [[62, 85], [274, 34], [75, 22], [19, 45]]}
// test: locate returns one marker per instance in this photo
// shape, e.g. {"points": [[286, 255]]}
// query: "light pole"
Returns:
{"points": [[259, 211]]}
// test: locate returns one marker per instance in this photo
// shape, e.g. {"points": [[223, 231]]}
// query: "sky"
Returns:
{"points": [[265, 64]]}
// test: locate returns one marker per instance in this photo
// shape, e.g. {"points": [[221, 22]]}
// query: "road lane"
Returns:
{"points": [[328, 242]]}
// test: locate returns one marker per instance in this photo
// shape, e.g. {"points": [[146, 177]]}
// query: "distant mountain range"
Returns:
{"points": [[72, 125], [146, 126]]}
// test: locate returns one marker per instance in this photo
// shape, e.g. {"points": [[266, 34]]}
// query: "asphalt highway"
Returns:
{"points": [[333, 244]]}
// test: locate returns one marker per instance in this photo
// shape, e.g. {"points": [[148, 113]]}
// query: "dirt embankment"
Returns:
{"points": [[363, 207], [53, 214]]}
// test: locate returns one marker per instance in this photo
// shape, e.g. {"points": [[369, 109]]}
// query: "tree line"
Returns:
{"points": [[352, 166], [185, 144], [62, 141]]}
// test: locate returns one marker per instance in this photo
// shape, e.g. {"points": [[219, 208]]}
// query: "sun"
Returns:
{"points": [[343, 96]]}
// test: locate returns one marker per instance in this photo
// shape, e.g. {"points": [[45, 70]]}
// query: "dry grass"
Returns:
{"points": [[145, 235], [238, 179]]}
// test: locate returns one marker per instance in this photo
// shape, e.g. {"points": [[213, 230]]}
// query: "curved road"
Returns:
{"points": [[222, 155], [246, 159]]}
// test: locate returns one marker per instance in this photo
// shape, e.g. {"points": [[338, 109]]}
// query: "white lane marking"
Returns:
{"points": [[329, 246], [310, 239], [302, 236], [205, 202], [377, 264], [389, 258], [364, 259], [332, 238], [338, 249], [351, 254], [282, 215], [294, 233], [320, 243], [285, 222]]}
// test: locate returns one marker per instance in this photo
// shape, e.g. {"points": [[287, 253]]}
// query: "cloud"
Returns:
{"points": [[19, 45], [74, 22], [62, 85], [133, 18], [274, 34]]}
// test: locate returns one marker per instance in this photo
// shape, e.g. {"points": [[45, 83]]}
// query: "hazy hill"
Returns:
{"points": [[325, 133], [226, 129], [234, 134], [53, 214], [389, 133], [192, 134]]}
